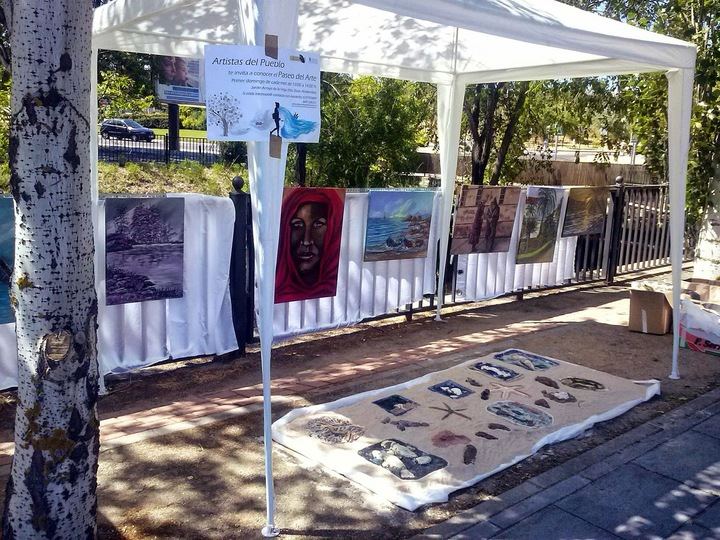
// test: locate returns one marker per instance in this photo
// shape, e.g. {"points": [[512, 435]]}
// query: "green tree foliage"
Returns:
{"points": [[372, 128], [117, 97]]}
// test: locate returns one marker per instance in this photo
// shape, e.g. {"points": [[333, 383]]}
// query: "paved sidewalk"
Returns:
{"points": [[659, 480]]}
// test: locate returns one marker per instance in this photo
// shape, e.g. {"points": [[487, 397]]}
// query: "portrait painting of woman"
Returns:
{"points": [[309, 245]]}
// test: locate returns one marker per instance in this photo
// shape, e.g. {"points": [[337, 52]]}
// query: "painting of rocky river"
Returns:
{"points": [[7, 250], [398, 225], [144, 249]]}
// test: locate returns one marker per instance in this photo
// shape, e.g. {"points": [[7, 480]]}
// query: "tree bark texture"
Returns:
{"points": [[52, 489], [483, 136], [301, 164]]}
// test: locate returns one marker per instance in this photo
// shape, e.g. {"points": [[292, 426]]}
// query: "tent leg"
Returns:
{"points": [[680, 88]]}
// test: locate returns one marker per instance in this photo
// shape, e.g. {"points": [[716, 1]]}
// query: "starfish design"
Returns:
{"points": [[449, 411], [507, 390]]}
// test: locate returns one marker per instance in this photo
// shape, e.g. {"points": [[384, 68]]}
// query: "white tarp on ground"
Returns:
{"points": [[403, 443], [144, 333]]}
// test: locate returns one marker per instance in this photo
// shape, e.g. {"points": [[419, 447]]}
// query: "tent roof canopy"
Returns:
{"points": [[476, 40]]}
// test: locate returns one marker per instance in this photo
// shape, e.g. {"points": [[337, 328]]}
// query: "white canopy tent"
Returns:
{"points": [[451, 43]]}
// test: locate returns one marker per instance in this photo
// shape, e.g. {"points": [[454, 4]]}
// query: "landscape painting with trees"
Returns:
{"points": [[540, 225], [484, 219], [145, 242]]}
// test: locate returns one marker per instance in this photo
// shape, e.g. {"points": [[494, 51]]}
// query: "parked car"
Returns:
{"points": [[125, 129]]}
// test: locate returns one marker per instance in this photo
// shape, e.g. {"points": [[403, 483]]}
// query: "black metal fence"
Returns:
{"points": [[161, 149]]}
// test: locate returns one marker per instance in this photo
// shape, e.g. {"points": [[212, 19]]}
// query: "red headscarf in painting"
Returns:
{"points": [[309, 246]]}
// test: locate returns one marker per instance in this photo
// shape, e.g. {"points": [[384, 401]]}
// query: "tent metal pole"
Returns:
{"points": [[450, 99], [680, 90]]}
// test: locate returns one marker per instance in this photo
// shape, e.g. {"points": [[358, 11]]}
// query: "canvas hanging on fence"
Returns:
{"points": [[309, 245], [398, 225], [484, 219], [7, 257], [541, 218], [585, 214], [144, 249]]}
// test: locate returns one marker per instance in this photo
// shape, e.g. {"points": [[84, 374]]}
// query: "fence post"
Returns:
{"points": [[242, 276], [617, 226]]}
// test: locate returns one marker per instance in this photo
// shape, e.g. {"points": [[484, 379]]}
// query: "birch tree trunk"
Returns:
{"points": [[51, 492]]}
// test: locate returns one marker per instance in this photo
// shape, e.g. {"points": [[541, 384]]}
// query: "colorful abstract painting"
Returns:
{"points": [[144, 249], [398, 225], [540, 225], [484, 219], [309, 247], [585, 212], [7, 257]]}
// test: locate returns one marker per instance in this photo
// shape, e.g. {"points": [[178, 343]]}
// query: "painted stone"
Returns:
{"points": [[529, 361], [469, 454], [402, 425], [486, 435], [501, 427], [485, 394], [473, 382], [582, 384], [542, 403], [404, 460], [334, 430], [560, 396], [451, 389], [396, 405], [547, 381], [522, 415], [495, 371]]}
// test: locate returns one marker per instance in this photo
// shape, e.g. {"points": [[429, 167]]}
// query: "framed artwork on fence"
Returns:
{"points": [[484, 219], [541, 219], [309, 246], [398, 225], [7, 257], [144, 245], [585, 212]]}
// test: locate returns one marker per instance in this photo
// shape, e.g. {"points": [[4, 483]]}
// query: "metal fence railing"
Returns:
{"points": [[161, 149]]}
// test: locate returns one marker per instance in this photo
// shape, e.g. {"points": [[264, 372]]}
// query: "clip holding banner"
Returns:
{"points": [[275, 146], [271, 46]]}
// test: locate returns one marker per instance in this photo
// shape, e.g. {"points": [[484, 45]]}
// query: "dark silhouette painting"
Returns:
{"points": [[309, 245], [585, 212], [7, 251], [484, 219], [144, 249], [398, 225]]}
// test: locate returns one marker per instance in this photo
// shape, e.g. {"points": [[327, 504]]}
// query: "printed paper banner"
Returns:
{"points": [[178, 80], [251, 96]]}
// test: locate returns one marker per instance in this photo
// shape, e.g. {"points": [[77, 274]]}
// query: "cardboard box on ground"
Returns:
{"points": [[651, 312]]}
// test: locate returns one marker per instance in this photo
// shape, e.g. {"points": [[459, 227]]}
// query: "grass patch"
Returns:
{"points": [[196, 133], [186, 176]]}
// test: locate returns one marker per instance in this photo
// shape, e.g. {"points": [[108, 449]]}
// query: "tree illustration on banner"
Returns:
{"points": [[223, 110]]}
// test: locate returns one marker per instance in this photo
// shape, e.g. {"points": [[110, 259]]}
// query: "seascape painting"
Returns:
{"points": [[539, 230], [398, 225], [484, 219], [585, 212], [144, 249], [7, 257], [309, 247]]}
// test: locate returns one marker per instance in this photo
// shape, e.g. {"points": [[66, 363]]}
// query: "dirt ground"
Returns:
{"points": [[208, 482]]}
